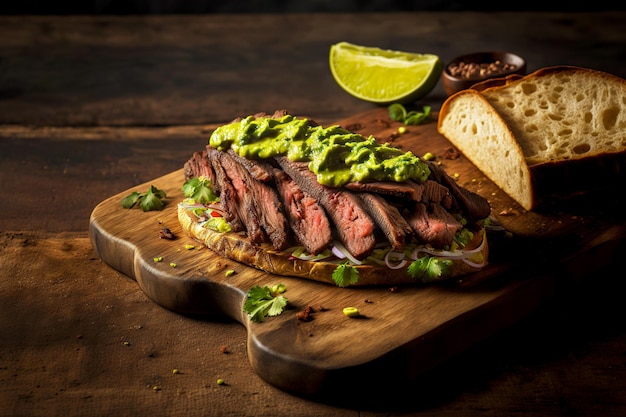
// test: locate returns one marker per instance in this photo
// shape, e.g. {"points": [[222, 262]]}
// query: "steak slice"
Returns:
{"points": [[226, 192], [402, 190], [259, 170], [308, 220], [474, 205], [198, 165], [388, 218], [436, 227], [434, 192], [430, 191], [354, 226], [261, 204]]}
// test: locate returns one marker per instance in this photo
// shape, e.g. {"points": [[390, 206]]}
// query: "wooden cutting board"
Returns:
{"points": [[403, 331]]}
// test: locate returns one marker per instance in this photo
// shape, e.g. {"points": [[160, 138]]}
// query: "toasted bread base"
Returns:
{"points": [[237, 247]]}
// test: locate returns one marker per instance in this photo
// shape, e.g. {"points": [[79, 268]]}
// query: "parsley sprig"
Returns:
{"points": [[148, 201], [262, 302]]}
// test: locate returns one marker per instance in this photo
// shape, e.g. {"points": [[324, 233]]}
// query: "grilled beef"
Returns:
{"points": [[260, 208], [259, 170], [388, 218], [436, 193], [353, 225], [387, 188], [473, 205], [199, 165], [224, 188], [308, 220], [435, 226]]}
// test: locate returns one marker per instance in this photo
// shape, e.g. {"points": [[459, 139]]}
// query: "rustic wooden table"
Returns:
{"points": [[91, 106]]}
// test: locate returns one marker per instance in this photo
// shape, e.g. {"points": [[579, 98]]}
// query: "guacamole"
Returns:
{"points": [[336, 155]]}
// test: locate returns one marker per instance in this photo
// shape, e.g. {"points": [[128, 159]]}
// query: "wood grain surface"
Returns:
{"points": [[406, 330]]}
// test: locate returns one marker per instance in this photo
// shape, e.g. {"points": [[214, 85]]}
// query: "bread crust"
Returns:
{"points": [[239, 248]]}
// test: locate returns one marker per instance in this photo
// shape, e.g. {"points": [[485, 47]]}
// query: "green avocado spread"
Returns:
{"points": [[336, 155]]}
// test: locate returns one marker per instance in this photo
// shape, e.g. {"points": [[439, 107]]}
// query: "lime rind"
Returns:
{"points": [[383, 76]]}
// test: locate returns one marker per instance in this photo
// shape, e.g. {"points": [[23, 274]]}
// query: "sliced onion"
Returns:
{"points": [[343, 253], [446, 254], [399, 255], [304, 257], [299, 252]]}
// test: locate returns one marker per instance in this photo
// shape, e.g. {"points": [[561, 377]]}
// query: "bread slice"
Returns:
{"points": [[264, 257], [556, 131]]}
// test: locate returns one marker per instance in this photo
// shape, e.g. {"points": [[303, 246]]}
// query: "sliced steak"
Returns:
{"points": [[388, 218], [259, 170], [473, 205], [199, 166], [308, 220], [260, 203], [436, 193], [436, 226], [402, 190], [226, 192], [191, 166], [352, 223]]}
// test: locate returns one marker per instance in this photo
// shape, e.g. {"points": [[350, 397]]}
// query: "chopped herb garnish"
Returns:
{"points": [[345, 275], [398, 113], [262, 302], [429, 268], [200, 190], [148, 201]]}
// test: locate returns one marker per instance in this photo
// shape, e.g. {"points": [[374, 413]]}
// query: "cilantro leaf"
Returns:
{"points": [[262, 302], [130, 200], [199, 189], [345, 275], [150, 200], [429, 268], [398, 113], [416, 118]]}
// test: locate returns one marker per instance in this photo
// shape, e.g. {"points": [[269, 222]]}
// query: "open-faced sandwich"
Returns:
{"points": [[290, 197]]}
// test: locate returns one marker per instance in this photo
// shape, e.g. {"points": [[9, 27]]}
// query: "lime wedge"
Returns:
{"points": [[383, 76]]}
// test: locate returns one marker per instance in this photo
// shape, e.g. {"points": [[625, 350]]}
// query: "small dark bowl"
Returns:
{"points": [[464, 71]]}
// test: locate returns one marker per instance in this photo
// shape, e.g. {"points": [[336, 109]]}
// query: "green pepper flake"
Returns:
{"points": [[173, 265], [428, 156], [189, 247], [230, 272], [351, 312], [158, 258]]}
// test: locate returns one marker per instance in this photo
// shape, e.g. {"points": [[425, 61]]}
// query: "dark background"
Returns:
{"points": [[294, 6]]}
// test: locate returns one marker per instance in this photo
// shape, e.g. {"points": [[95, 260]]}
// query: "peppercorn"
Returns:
{"points": [[473, 70]]}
